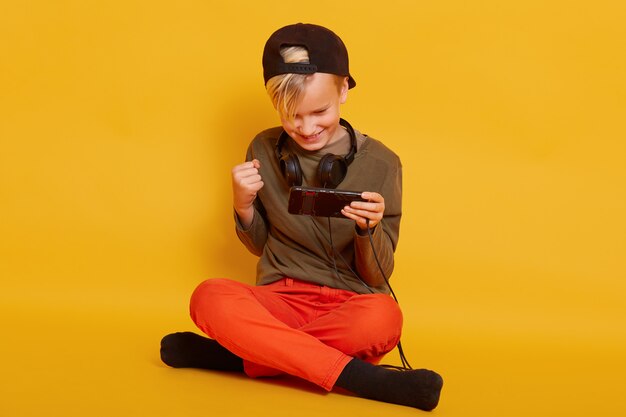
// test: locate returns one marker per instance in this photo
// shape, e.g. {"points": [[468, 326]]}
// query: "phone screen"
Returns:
{"points": [[322, 202]]}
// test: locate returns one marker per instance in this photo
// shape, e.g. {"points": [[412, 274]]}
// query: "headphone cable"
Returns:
{"points": [[405, 363], [334, 252]]}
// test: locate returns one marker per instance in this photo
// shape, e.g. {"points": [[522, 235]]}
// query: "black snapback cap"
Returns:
{"points": [[327, 52]]}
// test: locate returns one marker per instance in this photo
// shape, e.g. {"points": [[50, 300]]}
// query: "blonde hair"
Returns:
{"points": [[285, 90]]}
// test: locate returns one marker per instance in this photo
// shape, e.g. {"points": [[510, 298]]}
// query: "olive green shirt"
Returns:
{"points": [[299, 246]]}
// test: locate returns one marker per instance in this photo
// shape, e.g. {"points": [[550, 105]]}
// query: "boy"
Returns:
{"points": [[320, 309]]}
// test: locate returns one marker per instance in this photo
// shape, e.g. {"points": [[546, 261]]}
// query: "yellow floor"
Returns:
{"points": [[90, 360]]}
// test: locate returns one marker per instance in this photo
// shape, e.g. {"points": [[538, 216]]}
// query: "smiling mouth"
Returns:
{"points": [[311, 137]]}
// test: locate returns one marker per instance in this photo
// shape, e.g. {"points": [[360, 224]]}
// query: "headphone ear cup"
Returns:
{"points": [[290, 167], [331, 170]]}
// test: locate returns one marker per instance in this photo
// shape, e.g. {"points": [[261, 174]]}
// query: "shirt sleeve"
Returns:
{"points": [[384, 237], [255, 236]]}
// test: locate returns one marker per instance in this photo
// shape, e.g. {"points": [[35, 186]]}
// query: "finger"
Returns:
{"points": [[246, 173], [374, 207], [256, 186], [349, 214], [244, 165], [365, 205], [364, 214], [247, 165], [249, 181], [373, 197], [360, 221]]}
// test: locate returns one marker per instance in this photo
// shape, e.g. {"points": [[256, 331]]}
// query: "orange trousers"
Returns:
{"points": [[295, 327]]}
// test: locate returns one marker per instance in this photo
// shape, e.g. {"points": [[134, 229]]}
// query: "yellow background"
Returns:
{"points": [[120, 121]]}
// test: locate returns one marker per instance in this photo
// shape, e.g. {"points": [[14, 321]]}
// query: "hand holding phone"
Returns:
{"points": [[368, 212]]}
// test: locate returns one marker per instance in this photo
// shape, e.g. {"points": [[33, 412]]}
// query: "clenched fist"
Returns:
{"points": [[246, 183]]}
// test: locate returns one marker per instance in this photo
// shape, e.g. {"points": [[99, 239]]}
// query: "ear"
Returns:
{"points": [[343, 94]]}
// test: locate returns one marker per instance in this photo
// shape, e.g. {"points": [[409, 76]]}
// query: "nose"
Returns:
{"points": [[306, 126]]}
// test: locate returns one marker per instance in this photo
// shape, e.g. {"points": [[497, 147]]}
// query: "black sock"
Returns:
{"points": [[190, 350], [418, 388]]}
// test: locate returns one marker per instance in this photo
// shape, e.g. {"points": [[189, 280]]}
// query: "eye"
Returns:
{"points": [[321, 111]]}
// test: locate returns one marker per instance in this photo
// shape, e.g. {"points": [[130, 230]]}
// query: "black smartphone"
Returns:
{"points": [[322, 202]]}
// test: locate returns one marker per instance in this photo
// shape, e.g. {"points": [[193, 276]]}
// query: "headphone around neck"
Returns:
{"points": [[331, 170]]}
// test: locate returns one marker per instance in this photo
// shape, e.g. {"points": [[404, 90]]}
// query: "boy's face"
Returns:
{"points": [[316, 123]]}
